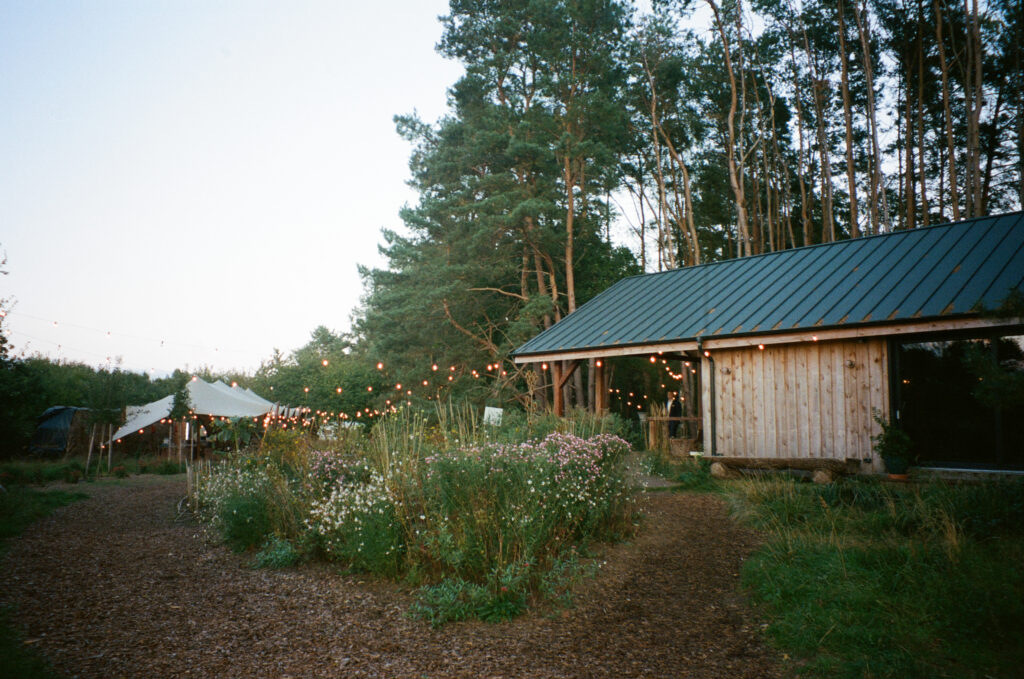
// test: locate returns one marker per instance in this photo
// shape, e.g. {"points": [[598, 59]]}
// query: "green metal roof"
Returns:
{"points": [[941, 271]]}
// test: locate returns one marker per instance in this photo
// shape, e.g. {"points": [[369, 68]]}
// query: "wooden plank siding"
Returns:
{"points": [[806, 400]]}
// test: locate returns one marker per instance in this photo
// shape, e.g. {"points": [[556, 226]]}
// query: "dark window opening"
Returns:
{"points": [[962, 401]]}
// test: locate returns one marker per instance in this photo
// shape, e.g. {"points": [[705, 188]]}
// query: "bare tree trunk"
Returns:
{"points": [[878, 196], [691, 228], [570, 217], [954, 198], [805, 219], [911, 197], [921, 117], [851, 178], [973, 101], [743, 235], [991, 147], [664, 230], [817, 86]]}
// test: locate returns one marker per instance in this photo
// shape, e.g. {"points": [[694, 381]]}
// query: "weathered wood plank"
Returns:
{"points": [[768, 399], [827, 399], [813, 401], [705, 405], [748, 416], [803, 463]]}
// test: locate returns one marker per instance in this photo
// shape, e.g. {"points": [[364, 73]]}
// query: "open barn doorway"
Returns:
{"points": [[962, 400]]}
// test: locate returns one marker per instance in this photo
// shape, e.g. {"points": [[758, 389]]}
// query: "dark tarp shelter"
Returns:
{"points": [[56, 430]]}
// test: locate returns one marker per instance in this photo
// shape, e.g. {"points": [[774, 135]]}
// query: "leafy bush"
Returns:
{"points": [[237, 503], [276, 553], [358, 524], [454, 599], [167, 467]]}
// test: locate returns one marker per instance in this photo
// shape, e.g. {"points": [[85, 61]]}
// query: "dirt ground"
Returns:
{"points": [[121, 585]]}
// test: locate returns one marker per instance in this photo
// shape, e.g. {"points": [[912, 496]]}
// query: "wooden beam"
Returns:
{"points": [[567, 372], [803, 463], [605, 352]]}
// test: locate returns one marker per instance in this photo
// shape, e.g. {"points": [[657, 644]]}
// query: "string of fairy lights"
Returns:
{"points": [[107, 357], [399, 392]]}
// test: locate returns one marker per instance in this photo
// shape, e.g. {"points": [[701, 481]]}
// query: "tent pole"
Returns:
{"points": [[88, 456]]}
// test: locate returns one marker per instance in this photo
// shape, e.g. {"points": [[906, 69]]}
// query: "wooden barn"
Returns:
{"points": [[798, 349]]}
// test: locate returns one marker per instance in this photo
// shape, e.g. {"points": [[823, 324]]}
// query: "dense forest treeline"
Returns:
{"points": [[589, 140], [710, 129]]}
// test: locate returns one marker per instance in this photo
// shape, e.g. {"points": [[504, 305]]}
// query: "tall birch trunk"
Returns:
{"points": [[851, 178], [878, 194], [954, 198], [743, 234]]}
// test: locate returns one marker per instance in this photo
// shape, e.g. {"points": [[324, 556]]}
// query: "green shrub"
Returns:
{"points": [[168, 467], [244, 521], [276, 553], [502, 597], [358, 524]]}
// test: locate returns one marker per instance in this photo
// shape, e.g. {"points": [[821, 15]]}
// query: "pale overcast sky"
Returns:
{"points": [[200, 179]]}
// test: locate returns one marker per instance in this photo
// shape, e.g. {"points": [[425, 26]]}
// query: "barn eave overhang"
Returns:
{"points": [[754, 339]]}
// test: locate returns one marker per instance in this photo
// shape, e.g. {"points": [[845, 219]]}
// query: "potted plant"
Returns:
{"points": [[892, 444]]}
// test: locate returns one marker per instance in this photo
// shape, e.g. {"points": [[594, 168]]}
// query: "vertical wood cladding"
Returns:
{"points": [[808, 400]]}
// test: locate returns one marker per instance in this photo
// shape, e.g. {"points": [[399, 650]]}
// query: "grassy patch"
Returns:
{"points": [[21, 472], [694, 474], [16, 659], [19, 507], [861, 578]]}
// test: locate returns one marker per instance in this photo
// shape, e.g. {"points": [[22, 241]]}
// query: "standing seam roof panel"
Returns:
{"points": [[789, 267], [670, 300], [982, 244], [950, 252], [881, 273], [754, 273], [925, 272], [704, 280], [889, 306], [850, 254], [936, 266], [978, 284], [1008, 279], [803, 282]]}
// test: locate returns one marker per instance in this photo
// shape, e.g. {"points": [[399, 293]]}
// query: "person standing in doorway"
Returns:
{"points": [[675, 409]]}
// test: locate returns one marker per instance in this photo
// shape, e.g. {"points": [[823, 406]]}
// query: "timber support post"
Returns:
{"points": [[560, 373]]}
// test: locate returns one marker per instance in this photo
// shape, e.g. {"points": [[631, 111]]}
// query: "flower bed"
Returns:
{"points": [[478, 527]]}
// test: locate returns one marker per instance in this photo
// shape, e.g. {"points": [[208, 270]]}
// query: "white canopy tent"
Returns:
{"points": [[217, 400]]}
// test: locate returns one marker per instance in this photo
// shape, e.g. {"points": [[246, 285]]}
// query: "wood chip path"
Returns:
{"points": [[120, 585]]}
